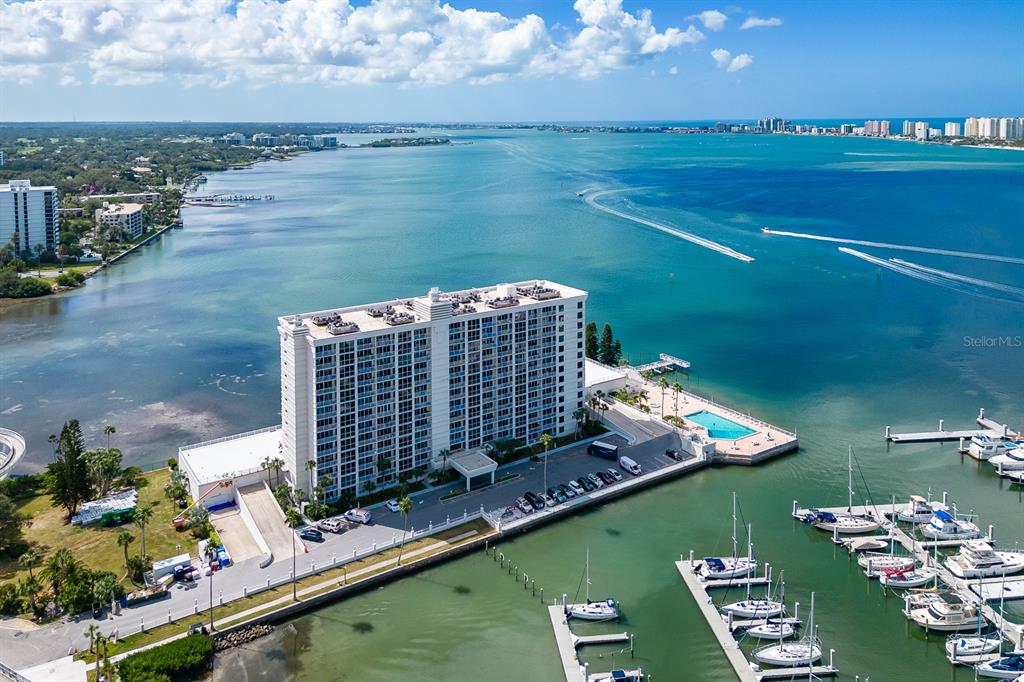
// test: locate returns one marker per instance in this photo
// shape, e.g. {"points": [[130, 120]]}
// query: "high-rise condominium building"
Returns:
{"points": [[1011, 128], [371, 391], [921, 130], [128, 217], [876, 128], [951, 129], [29, 214], [908, 128], [971, 127]]}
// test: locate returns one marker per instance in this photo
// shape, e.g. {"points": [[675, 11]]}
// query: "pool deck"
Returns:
{"points": [[765, 442]]}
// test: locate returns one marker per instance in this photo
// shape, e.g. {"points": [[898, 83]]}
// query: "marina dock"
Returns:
{"points": [[744, 669], [665, 363], [567, 643], [987, 426]]}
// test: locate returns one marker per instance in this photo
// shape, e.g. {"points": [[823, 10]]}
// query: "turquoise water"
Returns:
{"points": [[719, 427], [178, 344]]}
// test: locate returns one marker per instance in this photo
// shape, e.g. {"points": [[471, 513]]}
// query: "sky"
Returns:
{"points": [[505, 60]]}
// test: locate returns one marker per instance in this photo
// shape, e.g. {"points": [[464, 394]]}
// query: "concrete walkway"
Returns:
{"points": [[270, 520]]}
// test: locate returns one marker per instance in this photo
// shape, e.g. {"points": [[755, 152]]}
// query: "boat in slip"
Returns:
{"points": [[778, 628], [735, 566], [945, 526], [900, 579], [804, 652], [1010, 460], [619, 676], [843, 523], [918, 510], [959, 647], [754, 608], [948, 613], [874, 563], [1009, 667], [977, 559], [985, 447], [593, 610]]}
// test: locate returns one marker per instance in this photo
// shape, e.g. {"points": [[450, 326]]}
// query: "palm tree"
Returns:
{"points": [[677, 388], [91, 633], [580, 416], [311, 468], [29, 559], [109, 429], [277, 464], [265, 464], [29, 587], [404, 506], [444, 454], [663, 385], [547, 440], [39, 248], [60, 568], [101, 649], [294, 519], [124, 538], [143, 514], [383, 465], [369, 487]]}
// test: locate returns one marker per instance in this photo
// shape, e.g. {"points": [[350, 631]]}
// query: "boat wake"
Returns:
{"points": [[898, 247], [591, 199], [949, 280]]}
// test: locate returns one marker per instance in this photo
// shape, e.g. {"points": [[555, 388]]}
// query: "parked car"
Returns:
{"points": [[311, 534], [614, 474], [674, 454], [577, 488], [603, 450], [358, 515], [524, 506], [630, 465], [534, 500], [392, 506], [548, 500], [596, 480], [556, 492], [606, 477], [567, 491], [331, 526], [586, 484]]}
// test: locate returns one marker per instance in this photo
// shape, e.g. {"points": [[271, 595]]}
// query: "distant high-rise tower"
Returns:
{"points": [[29, 214], [952, 129]]}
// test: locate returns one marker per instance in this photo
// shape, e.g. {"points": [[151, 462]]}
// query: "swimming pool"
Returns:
{"points": [[719, 427]]}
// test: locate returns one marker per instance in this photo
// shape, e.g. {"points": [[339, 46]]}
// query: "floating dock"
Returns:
{"points": [[744, 669], [987, 426], [567, 644], [665, 363]]}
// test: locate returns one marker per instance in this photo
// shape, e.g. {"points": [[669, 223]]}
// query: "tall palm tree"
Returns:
{"points": [[311, 468], [294, 519], [39, 260], [677, 388], [547, 440], [143, 515], [383, 464], [124, 538], [29, 559], [61, 567], [404, 506], [265, 464], [101, 650], [663, 385], [444, 453], [277, 464], [580, 416], [91, 633], [109, 429]]}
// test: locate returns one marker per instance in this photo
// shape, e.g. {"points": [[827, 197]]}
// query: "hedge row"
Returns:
{"points": [[181, 659]]}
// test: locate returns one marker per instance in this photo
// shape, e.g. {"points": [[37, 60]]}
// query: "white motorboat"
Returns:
{"points": [[844, 523], [754, 608], [772, 629], [804, 652], [619, 676], [944, 526], [735, 566], [918, 510], [897, 579], [874, 564], [1014, 476], [1010, 460], [958, 646], [949, 613], [593, 610], [1009, 667], [919, 599], [977, 559], [985, 447]]}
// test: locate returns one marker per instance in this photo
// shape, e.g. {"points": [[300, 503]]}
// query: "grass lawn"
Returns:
{"points": [[52, 271], [97, 546]]}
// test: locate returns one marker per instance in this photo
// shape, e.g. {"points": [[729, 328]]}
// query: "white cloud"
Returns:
{"points": [[673, 71], [755, 22], [725, 60], [712, 19], [258, 42]]}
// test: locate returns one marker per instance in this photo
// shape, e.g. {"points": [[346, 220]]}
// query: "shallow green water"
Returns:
{"points": [[178, 344]]}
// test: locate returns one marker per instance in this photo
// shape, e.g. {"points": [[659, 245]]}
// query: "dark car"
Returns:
{"points": [[674, 454], [534, 500], [587, 484], [567, 491], [603, 475], [312, 535], [556, 492]]}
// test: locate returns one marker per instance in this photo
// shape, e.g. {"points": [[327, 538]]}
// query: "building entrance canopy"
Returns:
{"points": [[472, 464]]}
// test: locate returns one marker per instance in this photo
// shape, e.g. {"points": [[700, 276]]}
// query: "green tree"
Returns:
{"points": [[617, 358], [581, 416], [444, 454], [677, 388], [311, 470], [663, 385], [29, 587], [404, 506], [39, 248], [11, 523], [104, 466], [91, 633], [143, 515], [61, 568], [109, 430], [369, 487], [106, 588], [29, 560], [68, 476], [606, 347], [548, 441], [383, 465], [124, 538], [590, 341]]}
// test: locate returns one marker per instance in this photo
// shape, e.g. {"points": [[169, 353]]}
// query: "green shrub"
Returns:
{"points": [[181, 659], [66, 280]]}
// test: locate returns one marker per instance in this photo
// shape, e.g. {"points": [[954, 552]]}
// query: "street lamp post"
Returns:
{"points": [[295, 596], [211, 598]]}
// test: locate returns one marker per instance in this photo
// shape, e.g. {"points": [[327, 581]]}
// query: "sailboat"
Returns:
{"points": [[847, 522], [874, 563], [792, 654], [959, 647], [896, 578], [753, 608], [606, 609], [780, 628], [724, 568]]}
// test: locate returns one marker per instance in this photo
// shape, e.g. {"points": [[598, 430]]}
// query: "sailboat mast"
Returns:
{"points": [[849, 484], [588, 575], [735, 553]]}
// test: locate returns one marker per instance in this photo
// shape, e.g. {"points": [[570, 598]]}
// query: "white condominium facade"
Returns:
{"points": [[128, 217], [371, 391], [951, 129], [29, 214], [921, 130]]}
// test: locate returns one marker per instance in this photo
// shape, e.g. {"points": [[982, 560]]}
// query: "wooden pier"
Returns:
{"points": [[987, 426], [744, 669], [571, 667], [665, 363]]}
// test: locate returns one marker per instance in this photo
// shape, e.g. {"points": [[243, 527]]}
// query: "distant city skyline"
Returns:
{"points": [[491, 60]]}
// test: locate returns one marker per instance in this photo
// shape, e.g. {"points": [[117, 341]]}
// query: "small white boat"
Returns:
{"points": [[872, 544], [753, 608], [958, 646], [949, 613], [874, 564], [843, 523], [1010, 460], [804, 652], [985, 447], [1014, 476], [1009, 667], [593, 610], [735, 566], [918, 510], [619, 676], [944, 526], [977, 559], [897, 579], [772, 629]]}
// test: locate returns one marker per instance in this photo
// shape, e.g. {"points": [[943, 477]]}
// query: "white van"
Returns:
{"points": [[358, 515], [627, 464]]}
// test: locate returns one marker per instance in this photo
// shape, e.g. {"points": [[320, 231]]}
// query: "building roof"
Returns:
{"points": [[230, 457], [122, 209], [597, 373], [472, 463]]}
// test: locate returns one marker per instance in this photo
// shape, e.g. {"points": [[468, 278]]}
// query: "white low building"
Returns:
{"points": [[216, 468], [128, 217]]}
